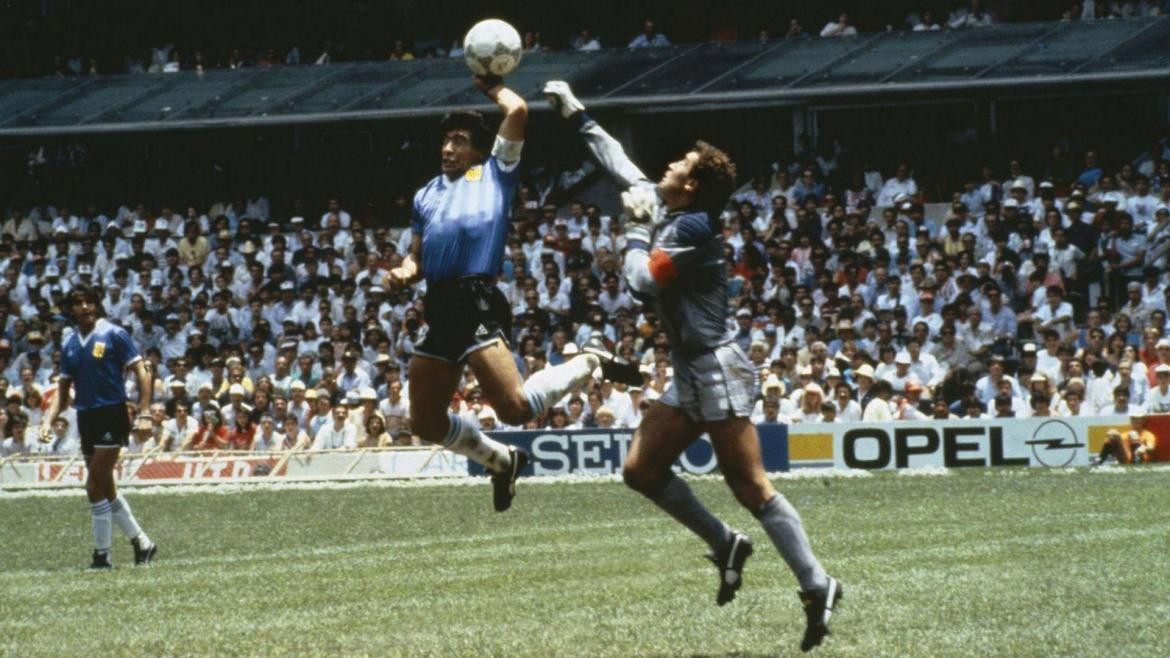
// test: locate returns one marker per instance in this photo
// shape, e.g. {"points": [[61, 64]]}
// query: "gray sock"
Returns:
{"points": [[677, 500], [784, 528]]}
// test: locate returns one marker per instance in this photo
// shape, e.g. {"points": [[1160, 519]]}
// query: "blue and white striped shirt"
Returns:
{"points": [[96, 365], [463, 222]]}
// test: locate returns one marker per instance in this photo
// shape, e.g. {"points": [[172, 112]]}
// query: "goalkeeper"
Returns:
{"points": [[674, 260]]}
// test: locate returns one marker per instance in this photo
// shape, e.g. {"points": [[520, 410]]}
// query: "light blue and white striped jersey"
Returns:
{"points": [[463, 222], [96, 365]]}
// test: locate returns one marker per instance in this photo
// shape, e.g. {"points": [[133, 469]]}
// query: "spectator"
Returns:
{"points": [[839, 28], [586, 41], [375, 435], [900, 187], [648, 37], [211, 435], [337, 434], [400, 53]]}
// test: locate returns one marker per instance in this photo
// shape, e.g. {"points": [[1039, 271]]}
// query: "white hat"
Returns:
{"points": [[297, 385], [296, 220], [161, 224], [140, 226], [570, 349], [605, 410], [903, 357], [864, 370], [1046, 185], [1011, 203], [1019, 184], [486, 413], [52, 270], [773, 382], [60, 230], [1113, 197], [743, 313], [1038, 377], [1165, 342], [804, 371], [247, 248], [236, 389], [367, 393], [177, 383], [288, 285], [381, 358], [84, 269], [813, 387], [1161, 368]]}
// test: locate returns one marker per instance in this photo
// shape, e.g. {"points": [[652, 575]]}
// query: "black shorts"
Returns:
{"points": [[104, 427], [463, 315]]}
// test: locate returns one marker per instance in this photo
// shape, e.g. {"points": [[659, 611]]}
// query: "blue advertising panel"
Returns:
{"points": [[602, 452]]}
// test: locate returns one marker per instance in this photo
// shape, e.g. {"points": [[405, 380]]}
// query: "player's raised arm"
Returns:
{"points": [[510, 137], [605, 148]]}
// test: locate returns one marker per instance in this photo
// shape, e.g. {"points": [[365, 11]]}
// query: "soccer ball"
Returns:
{"points": [[492, 47]]}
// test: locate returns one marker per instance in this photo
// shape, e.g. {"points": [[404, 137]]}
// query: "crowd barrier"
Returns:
{"points": [[1034, 442], [232, 466]]}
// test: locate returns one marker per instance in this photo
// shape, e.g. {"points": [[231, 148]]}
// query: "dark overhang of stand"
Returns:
{"points": [[1002, 59]]}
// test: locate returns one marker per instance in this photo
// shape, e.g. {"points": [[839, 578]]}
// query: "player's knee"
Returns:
{"points": [[750, 492], [644, 480], [513, 409]]}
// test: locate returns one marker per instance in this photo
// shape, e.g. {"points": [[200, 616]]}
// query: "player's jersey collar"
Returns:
{"points": [[97, 327]]}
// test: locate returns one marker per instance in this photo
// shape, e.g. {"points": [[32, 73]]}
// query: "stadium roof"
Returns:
{"points": [[1011, 56]]}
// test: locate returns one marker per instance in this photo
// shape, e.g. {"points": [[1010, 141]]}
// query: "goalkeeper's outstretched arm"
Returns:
{"points": [[605, 148]]}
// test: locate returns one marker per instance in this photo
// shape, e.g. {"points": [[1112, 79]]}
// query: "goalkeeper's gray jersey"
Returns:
{"points": [[687, 273]]}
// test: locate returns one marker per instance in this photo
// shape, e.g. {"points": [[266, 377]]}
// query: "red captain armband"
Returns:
{"points": [[662, 268]]}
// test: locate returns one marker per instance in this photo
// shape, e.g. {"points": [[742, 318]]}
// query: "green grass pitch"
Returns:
{"points": [[1001, 562]]}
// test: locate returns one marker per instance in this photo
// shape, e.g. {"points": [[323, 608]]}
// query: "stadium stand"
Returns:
{"points": [[1020, 289]]}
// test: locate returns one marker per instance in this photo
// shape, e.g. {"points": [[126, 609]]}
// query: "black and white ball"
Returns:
{"points": [[492, 47]]}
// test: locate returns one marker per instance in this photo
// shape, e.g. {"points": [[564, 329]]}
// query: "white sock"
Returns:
{"points": [[120, 511], [467, 440], [553, 383], [101, 525]]}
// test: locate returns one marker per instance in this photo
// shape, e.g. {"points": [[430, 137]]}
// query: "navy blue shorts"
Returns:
{"points": [[104, 427], [463, 315]]}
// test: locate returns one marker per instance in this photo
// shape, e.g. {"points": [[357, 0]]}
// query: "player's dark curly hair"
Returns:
{"points": [[84, 292], [471, 121], [715, 173]]}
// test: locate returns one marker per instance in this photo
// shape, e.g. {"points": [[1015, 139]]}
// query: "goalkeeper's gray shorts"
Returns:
{"points": [[714, 386]]}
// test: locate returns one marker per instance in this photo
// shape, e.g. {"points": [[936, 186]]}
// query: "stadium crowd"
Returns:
{"points": [[1025, 296], [423, 37]]}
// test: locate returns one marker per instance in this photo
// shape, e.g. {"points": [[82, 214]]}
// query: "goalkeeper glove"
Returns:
{"points": [[641, 204], [561, 98]]}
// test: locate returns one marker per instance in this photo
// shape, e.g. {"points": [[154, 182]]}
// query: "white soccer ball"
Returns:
{"points": [[492, 47]]}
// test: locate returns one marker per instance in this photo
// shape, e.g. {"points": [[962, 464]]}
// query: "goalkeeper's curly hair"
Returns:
{"points": [[715, 173]]}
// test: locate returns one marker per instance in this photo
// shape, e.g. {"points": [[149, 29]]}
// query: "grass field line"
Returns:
{"points": [[466, 481]]}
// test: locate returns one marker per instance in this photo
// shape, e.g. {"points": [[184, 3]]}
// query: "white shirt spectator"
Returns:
{"points": [[893, 188], [329, 437], [877, 410], [838, 29]]}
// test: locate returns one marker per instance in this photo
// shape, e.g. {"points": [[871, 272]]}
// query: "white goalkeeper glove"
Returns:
{"points": [[641, 204], [561, 97]]}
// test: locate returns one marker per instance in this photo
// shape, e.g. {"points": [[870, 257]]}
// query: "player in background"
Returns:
{"points": [[677, 266], [459, 223], [94, 360]]}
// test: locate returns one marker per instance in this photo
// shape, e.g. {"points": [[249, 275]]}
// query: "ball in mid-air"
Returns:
{"points": [[492, 47]]}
